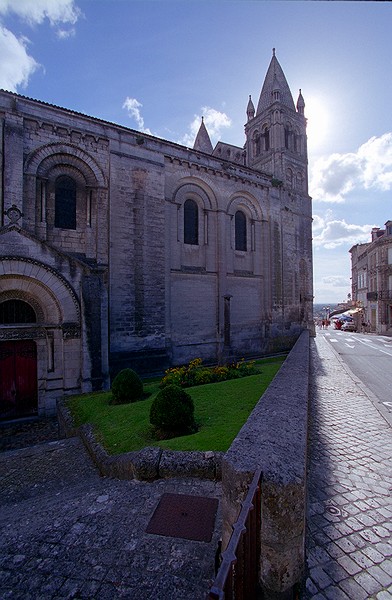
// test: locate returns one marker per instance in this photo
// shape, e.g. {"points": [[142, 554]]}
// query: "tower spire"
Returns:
{"points": [[300, 104], [202, 141], [250, 109], [274, 80], [276, 135]]}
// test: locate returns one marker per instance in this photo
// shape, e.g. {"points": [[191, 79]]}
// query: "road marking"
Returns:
{"points": [[333, 340], [368, 344], [385, 352], [375, 348], [389, 404], [349, 345]]}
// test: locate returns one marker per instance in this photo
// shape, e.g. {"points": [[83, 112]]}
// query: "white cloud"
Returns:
{"points": [[36, 11], [64, 34], [339, 174], [16, 66], [338, 281], [133, 107], [333, 233], [214, 120]]}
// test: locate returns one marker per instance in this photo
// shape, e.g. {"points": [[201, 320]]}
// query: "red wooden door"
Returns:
{"points": [[18, 379]]}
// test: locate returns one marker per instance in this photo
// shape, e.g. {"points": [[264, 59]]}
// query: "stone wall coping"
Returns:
{"points": [[274, 439]]}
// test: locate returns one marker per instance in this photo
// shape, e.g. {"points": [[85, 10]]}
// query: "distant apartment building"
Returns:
{"points": [[371, 271]]}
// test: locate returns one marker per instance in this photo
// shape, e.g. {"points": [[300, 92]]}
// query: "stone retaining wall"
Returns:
{"points": [[274, 438], [147, 464]]}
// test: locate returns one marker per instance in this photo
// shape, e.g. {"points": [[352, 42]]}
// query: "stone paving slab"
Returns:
{"points": [[349, 525], [66, 532]]}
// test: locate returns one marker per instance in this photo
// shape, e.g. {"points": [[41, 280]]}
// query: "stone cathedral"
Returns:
{"points": [[120, 249]]}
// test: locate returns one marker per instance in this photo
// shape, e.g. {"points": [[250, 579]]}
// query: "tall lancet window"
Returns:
{"points": [[191, 222], [240, 230]]}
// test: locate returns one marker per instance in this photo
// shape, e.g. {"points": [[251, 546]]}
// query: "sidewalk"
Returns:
{"points": [[65, 532], [349, 550]]}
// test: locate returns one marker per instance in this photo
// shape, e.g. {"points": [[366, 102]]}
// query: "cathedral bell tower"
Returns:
{"points": [[276, 141]]}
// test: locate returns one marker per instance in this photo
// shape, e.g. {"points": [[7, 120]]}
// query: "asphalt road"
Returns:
{"points": [[369, 357]]}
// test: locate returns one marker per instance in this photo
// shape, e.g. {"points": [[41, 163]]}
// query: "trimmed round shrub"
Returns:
{"points": [[126, 387], [173, 410]]}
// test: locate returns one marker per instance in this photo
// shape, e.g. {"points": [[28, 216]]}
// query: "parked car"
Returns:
{"points": [[348, 326]]}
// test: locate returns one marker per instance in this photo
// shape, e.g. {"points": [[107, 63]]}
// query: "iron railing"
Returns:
{"points": [[237, 577]]}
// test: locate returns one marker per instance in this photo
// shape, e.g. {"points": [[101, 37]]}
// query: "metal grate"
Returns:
{"points": [[183, 516]]}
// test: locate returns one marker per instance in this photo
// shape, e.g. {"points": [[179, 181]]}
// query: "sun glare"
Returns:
{"points": [[317, 116]]}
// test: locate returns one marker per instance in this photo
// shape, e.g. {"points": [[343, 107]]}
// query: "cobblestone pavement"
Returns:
{"points": [[349, 550], [65, 532]]}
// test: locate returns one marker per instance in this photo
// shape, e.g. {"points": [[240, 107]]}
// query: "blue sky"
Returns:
{"points": [[158, 65]]}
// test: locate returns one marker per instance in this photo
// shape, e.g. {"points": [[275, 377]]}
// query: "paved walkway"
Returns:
{"points": [[349, 546], [67, 533]]}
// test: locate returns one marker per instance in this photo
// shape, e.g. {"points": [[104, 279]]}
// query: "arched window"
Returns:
{"points": [[16, 311], [65, 203], [191, 222], [240, 230]]}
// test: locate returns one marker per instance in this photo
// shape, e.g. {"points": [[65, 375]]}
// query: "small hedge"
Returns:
{"points": [[126, 387], [173, 411], [195, 374]]}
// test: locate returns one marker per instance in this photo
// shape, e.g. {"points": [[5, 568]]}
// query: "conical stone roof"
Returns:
{"points": [[274, 80], [202, 141]]}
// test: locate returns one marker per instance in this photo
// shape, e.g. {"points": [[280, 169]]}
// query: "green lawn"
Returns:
{"points": [[220, 411]]}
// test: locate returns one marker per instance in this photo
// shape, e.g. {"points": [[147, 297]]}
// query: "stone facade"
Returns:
{"points": [[371, 270], [134, 251]]}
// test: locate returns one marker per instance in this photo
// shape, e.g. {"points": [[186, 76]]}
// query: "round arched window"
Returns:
{"points": [[65, 203], [13, 312], [240, 230], [191, 222]]}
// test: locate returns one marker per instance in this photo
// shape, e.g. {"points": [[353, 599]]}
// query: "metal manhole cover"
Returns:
{"points": [[183, 516]]}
